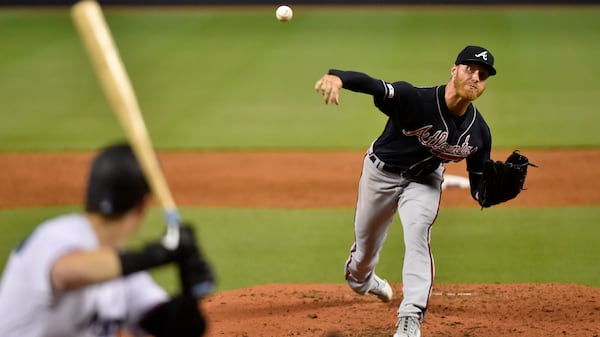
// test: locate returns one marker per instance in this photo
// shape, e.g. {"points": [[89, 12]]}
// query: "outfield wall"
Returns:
{"points": [[302, 2]]}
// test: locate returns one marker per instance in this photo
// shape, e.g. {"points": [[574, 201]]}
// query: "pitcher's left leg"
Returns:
{"points": [[418, 208]]}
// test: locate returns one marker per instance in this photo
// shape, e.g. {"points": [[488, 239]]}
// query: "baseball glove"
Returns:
{"points": [[503, 181]]}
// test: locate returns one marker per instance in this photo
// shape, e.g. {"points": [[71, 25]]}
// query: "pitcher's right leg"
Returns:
{"points": [[376, 205]]}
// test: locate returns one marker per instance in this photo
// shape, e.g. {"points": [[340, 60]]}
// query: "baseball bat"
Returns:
{"points": [[101, 48]]}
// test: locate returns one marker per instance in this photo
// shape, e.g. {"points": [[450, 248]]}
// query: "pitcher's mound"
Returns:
{"points": [[461, 310]]}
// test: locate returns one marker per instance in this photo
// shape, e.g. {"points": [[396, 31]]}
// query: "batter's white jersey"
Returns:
{"points": [[30, 308]]}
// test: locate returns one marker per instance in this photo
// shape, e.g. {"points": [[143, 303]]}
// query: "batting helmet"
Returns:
{"points": [[116, 182]]}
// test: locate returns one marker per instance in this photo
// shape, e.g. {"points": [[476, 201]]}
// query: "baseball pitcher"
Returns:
{"points": [[403, 172]]}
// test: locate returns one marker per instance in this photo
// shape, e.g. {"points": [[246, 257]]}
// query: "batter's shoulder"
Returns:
{"points": [[70, 229]]}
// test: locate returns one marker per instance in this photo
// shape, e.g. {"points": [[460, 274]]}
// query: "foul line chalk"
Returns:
{"points": [[451, 294]]}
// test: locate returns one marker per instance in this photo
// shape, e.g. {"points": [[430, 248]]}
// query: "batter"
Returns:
{"points": [[403, 171], [71, 276]]}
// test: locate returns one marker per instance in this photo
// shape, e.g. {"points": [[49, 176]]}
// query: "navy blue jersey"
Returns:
{"points": [[420, 132]]}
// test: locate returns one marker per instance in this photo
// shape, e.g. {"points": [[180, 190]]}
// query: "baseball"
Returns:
{"points": [[284, 13]]}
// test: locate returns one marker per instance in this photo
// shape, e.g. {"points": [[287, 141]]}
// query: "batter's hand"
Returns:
{"points": [[329, 86], [195, 273]]}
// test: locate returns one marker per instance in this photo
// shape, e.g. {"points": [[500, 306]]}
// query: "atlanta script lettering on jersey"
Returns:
{"points": [[438, 143]]}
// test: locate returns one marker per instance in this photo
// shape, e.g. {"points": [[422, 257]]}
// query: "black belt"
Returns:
{"points": [[385, 167]]}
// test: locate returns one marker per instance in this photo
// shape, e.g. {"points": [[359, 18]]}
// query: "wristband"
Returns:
{"points": [[153, 255]]}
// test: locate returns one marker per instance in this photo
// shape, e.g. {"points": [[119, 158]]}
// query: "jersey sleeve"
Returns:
{"points": [[38, 253], [399, 100], [475, 162], [360, 82]]}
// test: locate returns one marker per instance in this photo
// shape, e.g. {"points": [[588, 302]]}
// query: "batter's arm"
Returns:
{"points": [[78, 269]]}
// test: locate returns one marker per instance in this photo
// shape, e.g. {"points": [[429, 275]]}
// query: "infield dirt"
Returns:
{"points": [[284, 179], [329, 179]]}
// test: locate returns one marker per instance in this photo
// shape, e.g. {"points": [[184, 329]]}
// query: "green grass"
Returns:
{"points": [[257, 246], [239, 79], [209, 79]]}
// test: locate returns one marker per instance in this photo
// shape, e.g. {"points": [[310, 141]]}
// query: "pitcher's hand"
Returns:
{"points": [[329, 86]]}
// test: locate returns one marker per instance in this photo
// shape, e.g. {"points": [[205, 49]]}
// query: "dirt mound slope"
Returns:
{"points": [[457, 310]]}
